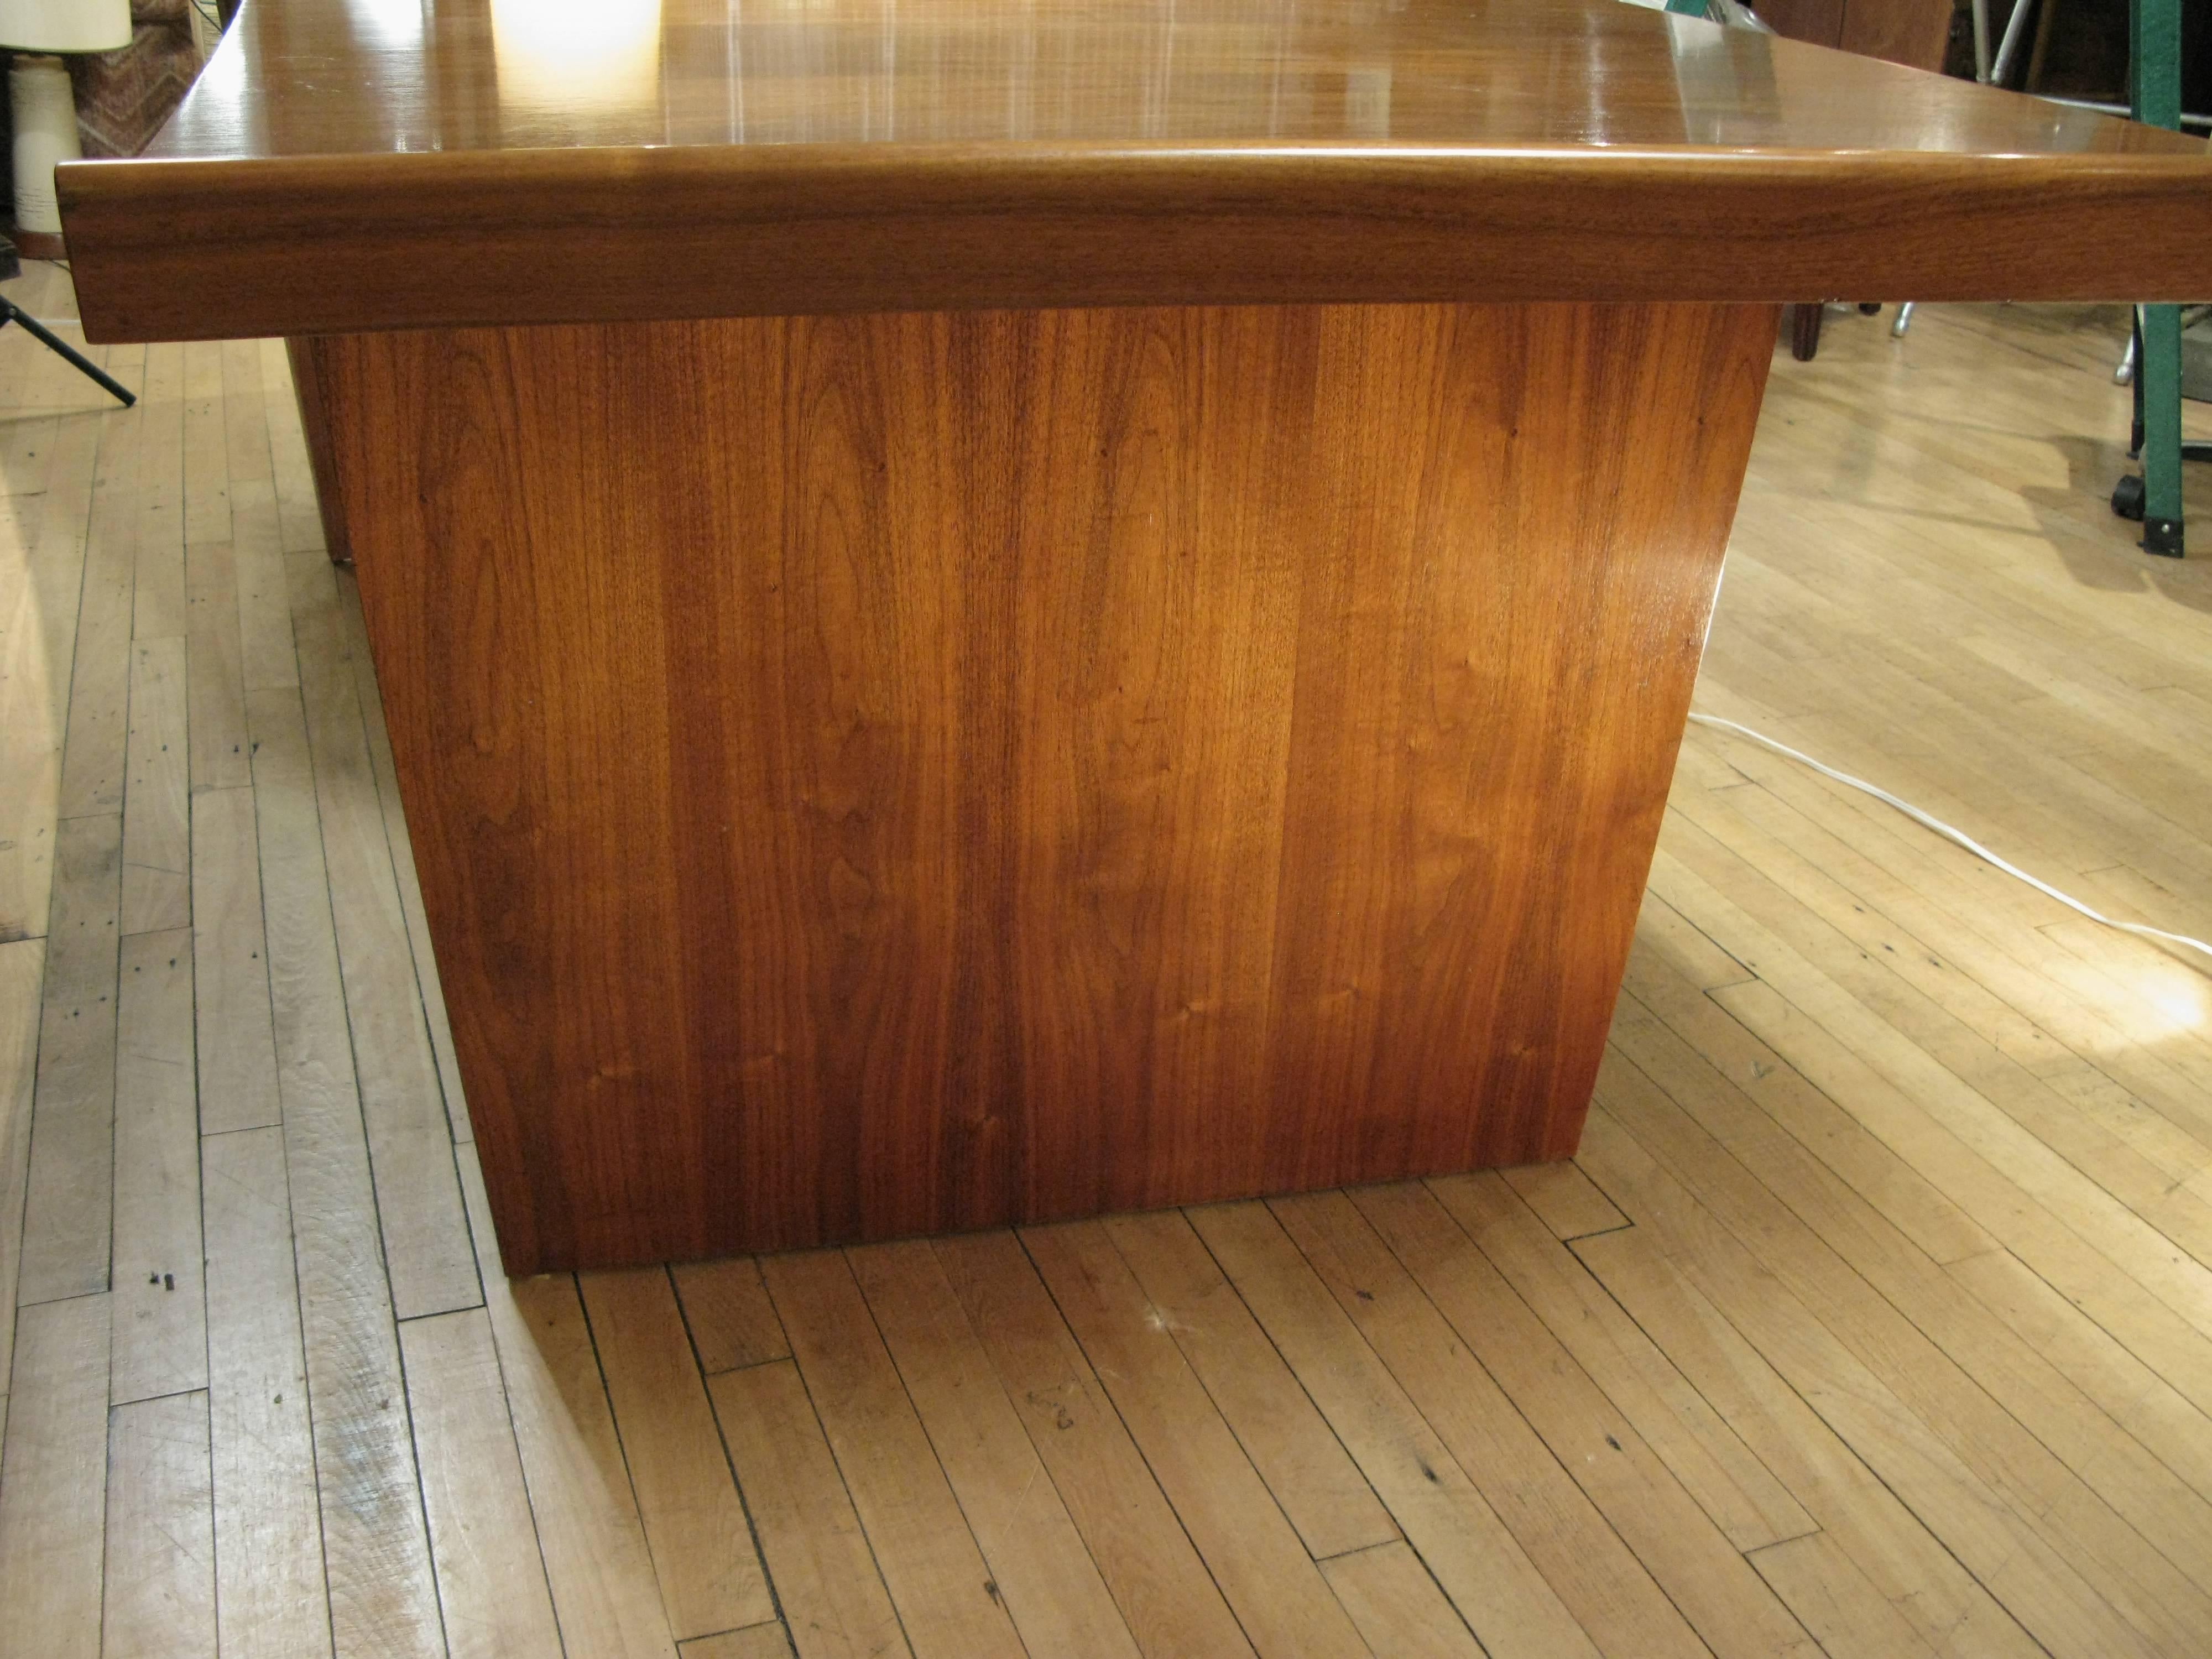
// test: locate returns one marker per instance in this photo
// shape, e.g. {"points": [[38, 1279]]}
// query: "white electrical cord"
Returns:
{"points": [[1950, 835]]}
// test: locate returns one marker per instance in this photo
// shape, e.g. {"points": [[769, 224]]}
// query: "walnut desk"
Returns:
{"points": [[994, 609]]}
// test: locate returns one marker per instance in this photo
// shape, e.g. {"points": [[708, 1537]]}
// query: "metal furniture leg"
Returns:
{"points": [[2009, 48], [12, 313], [2157, 390], [2155, 91]]}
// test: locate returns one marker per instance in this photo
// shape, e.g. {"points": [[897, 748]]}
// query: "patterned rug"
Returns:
{"points": [[122, 97]]}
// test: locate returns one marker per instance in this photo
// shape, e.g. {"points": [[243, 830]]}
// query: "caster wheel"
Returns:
{"points": [[2128, 498], [1869, 307]]}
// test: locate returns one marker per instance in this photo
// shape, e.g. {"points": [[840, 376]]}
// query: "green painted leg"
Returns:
{"points": [[2159, 373], [2154, 74]]}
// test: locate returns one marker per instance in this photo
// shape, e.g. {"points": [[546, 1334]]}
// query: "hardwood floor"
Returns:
{"points": [[1874, 1319]]}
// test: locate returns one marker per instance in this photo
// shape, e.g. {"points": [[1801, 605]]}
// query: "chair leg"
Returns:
{"points": [[2008, 47], [1805, 330]]}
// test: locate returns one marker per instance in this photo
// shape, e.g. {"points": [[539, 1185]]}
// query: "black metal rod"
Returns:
{"points": [[12, 313]]}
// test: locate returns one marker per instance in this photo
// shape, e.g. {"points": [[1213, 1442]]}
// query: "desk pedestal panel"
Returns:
{"points": [[890, 775]]}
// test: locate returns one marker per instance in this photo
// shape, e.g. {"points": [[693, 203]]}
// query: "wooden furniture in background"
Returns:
{"points": [[1913, 32], [1012, 758]]}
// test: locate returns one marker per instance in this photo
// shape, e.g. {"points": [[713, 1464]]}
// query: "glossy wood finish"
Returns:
{"points": [[345, 164], [950, 752], [1933, 1083], [883, 775]]}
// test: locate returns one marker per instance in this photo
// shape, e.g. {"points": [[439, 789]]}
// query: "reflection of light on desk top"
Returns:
{"points": [[577, 54], [387, 25]]}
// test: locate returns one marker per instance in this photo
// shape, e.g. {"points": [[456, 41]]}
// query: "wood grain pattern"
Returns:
{"points": [[2052, 1592], [100, 679], [1052, 1586], [158, 1587], [727, 1310], [1284, 1604], [1837, 1603], [949, 1602], [237, 1046], [2004, 1353], [1659, 991], [1169, 1602], [1706, 1455], [2099, 1503], [1515, 1613], [215, 686], [1305, 1466], [1569, 1202], [22, 966], [376, 1547], [1701, 1572], [1398, 1607], [580, 1499], [267, 655], [70, 1190], [464, 239], [270, 1593], [492, 1593], [160, 1304], [52, 1503], [156, 819], [694, 1524], [207, 465], [325, 177], [1886, 1541], [754, 1642], [157, 600], [418, 1197], [402, 850], [1939, 1326], [1615, 1597], [41, 565], [833, 1596], [1180, 754], [244, 415]]}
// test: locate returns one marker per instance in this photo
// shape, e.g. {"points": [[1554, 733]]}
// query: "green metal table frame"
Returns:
{"points": [[2154, 94]]}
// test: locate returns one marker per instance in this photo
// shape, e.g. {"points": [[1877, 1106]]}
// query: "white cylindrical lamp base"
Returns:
{"points": [[45, 133]]}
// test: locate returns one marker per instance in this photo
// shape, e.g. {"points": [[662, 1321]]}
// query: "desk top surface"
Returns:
{"points": [[1266, 149], [322, 78]]}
